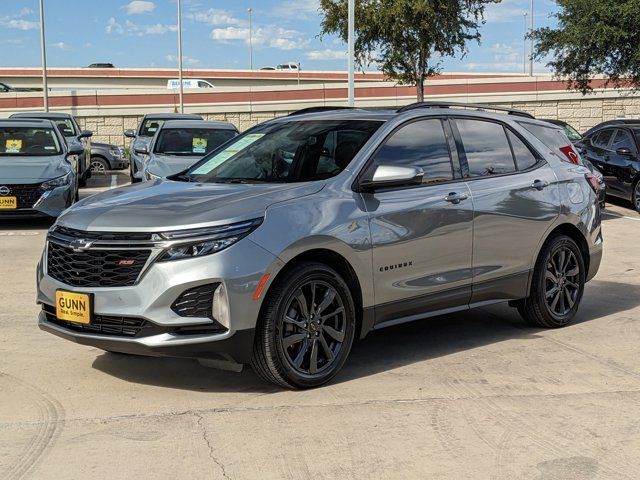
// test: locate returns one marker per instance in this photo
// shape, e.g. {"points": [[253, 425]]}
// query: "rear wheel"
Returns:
{"points": [[558, 285], [307, 328], [636, 196]]}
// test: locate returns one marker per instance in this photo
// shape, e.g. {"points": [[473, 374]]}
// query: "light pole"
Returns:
{"points": [[531, 40], [180, 55], [524, 44], [250, 10], [351, 42], [45, 88]]}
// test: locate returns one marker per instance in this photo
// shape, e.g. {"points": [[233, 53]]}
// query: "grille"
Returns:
{"points": [[106, 325], [95, 268], [196, 302], [70, 232], [27, 195]]}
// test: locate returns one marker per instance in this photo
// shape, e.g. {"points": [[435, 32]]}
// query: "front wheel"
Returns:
{"points": [[558, 285], [99, 166], [307, 328], [636, 196]]}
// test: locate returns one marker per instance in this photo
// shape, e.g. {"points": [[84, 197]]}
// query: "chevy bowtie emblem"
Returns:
{"points": [[80, 245]]}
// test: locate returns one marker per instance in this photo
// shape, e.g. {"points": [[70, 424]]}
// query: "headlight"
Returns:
{"points": [[114, 152], [57, 182], [204, 241]]}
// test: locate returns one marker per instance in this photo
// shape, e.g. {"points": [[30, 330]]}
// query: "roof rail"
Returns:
{"points": [[475, 106], [318, 109]]}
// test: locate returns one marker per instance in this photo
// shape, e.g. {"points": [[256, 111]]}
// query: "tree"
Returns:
{"points": [[593, 37], [407, 38]]}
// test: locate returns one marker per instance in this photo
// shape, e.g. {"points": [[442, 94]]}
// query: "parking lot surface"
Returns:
{"points": [[472, 395]]}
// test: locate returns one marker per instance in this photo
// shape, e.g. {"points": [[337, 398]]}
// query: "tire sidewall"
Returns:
{"points": [[274, 341]]}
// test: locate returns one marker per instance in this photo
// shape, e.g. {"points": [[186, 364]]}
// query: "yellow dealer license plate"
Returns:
{"points": [[73, 307], [8, 202]]}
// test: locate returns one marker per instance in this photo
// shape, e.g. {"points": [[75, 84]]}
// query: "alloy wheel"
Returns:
{"points": [[313, 328], [562, 281], [98, 167], [636, 197]]}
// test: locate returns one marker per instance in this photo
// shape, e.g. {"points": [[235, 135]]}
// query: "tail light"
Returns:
{"points": [[571, 154], [593, 181]]}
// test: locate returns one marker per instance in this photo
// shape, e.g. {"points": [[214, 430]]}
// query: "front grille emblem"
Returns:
{"points": [[4, 191], [80, 245]]}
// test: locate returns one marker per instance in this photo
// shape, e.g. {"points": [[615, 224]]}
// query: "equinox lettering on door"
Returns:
{"points": [[396, 266]]}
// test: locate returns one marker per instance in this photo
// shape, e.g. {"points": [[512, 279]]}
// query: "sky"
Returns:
{"points": [[143, 33]]}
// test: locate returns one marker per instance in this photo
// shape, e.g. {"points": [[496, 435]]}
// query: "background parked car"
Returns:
{"points": [[571, 133], [75, 138], [613, 149], [142, 137], [105, 156], [37, 172], [180, 144]]}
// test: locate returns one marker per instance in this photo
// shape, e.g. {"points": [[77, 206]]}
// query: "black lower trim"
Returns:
{"points": [[509, 287]]}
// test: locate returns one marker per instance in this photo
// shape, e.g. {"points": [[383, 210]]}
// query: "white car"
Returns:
{"points": [[174, 84], [291, 66]]}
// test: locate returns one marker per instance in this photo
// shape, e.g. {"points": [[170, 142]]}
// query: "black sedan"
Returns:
{"points": [[613, 149]]}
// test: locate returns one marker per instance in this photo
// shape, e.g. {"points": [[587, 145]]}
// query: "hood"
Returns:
{"points": [[166, 165], [166, 205], [32, 169]]}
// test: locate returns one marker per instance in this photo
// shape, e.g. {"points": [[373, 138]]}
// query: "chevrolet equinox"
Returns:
{"points": [[288, 242]]}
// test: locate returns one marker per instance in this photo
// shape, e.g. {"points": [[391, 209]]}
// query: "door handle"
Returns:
{"points": [[540, 184], [456, 198]]}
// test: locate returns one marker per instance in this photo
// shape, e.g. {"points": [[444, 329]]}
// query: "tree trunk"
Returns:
{"points": [[420, 88]]}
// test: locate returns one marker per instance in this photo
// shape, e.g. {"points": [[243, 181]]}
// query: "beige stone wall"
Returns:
{"points": [[582, 113]]}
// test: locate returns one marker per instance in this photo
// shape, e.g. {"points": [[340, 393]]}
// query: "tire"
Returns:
{"points": [[635, 196], [557, 286], [99, 166], [289, 334]]}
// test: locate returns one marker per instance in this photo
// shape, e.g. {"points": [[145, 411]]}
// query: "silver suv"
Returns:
{"points": [[286, 244]]}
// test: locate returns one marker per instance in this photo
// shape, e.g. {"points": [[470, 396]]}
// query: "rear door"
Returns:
{"points": [[421, 241], [621, 168], [515, 199]]}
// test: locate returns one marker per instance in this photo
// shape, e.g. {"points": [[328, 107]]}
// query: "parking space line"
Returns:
{"points": [[621, 216], [114, 181]]}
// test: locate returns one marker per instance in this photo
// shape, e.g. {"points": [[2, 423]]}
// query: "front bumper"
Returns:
{"points": [[239, 269], [49, 204]]}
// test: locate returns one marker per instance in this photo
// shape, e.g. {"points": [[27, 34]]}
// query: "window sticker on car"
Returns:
{"points": [[199, 145], [227, 153], [152, 129], [13, 145]]}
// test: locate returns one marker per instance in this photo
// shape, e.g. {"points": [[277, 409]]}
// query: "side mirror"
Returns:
{"points": [[76, 150], [386, 176], [129, 133], [142, 150], [624, 152], [85, 134]]}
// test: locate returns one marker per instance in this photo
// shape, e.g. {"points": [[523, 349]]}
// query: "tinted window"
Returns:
{"points": [[524, 156], [552, 137], [486, 146], [602, 139], [419, 144], [150, 127], [20, 141], [191, 141], [622, 139]]}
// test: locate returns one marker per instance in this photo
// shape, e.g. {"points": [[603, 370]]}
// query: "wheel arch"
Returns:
{"points": [[340, 264], [100, 156]]}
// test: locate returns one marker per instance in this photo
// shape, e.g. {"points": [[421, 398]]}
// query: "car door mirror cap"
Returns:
{"points": [[624, 152], [142, 150], [129, 133], [75, 150], [85, 134], [386, 176]]}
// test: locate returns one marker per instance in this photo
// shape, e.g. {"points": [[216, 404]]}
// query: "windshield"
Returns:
{"points": [[66, 127], [150, 127], [295, 151], [21, 141], [191, 141], [572, 133]]}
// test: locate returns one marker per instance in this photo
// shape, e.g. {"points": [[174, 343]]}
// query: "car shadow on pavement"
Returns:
{"points": [[381, 350], [38, 223]]}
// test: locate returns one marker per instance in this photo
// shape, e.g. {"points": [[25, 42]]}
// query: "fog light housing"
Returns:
{"points": [[220, 306]]}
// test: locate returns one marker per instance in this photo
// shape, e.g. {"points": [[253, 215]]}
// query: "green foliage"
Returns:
{"points": [[407, 38], [593, 37]]}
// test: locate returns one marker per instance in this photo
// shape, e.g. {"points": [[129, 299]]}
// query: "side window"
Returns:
{"points": [[525, 158], [202, 84], [419, 144], [601, 140], [486, 147], [622, 139]]}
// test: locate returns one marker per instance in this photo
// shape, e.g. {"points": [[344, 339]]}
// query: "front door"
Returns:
{"points": [[421, 236]]}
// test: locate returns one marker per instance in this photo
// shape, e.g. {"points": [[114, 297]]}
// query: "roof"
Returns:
{"points": [[627, 122], [26, 122], [198, 124], [170, 116], [47, 115]]}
